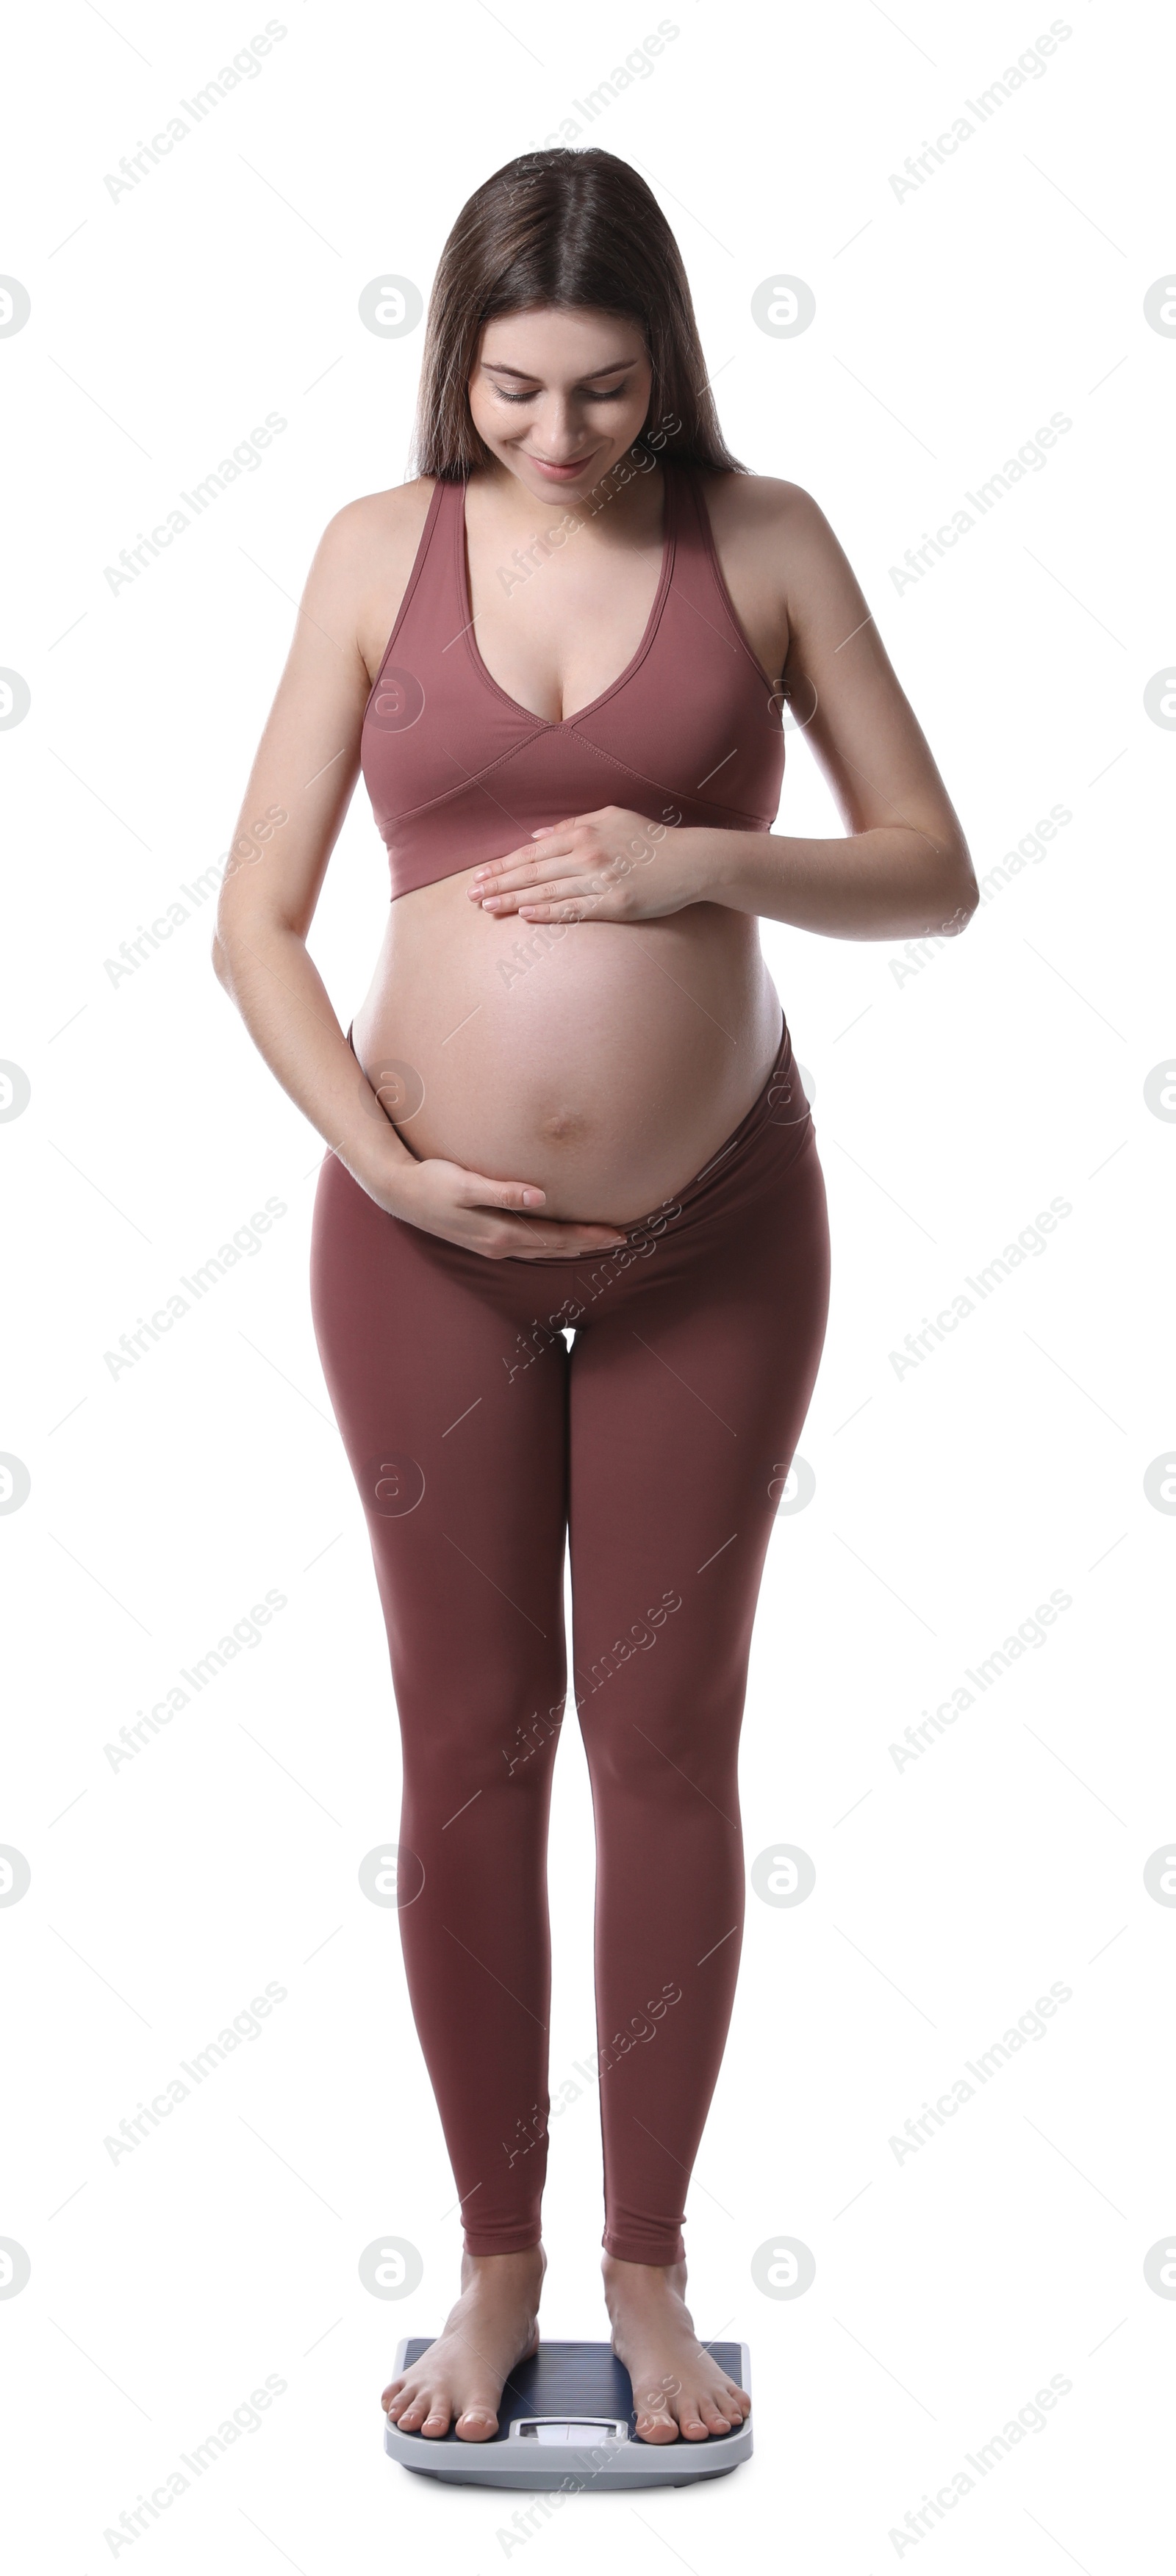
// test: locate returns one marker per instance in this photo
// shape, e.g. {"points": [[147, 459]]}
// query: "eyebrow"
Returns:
{"points": [[526, 375]]}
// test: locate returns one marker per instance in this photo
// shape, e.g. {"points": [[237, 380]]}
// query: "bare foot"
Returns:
{"points": [[678, 2388], [493, 2325]]}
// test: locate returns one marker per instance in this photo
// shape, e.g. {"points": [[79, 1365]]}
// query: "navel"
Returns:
{"points": [[562, 1125]]}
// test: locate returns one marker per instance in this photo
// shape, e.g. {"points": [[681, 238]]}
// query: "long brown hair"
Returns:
{"points": [[572, 229]]}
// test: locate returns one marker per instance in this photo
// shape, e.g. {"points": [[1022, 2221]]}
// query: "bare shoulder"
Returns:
{"points": [[379, 519], [754, 508], [775, 549], [775, 539], [364, 559]]}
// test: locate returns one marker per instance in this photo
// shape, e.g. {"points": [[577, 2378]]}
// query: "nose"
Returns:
{"points": [[560, 431]]}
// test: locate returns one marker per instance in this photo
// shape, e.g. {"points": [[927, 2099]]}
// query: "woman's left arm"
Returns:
{"points": [[902, 870]]}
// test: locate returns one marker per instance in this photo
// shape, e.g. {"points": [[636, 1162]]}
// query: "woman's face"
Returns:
{"points": [[559, 394]]}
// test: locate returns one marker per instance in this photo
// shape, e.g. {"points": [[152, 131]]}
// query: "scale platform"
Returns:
{"points": [[566, 2419]]}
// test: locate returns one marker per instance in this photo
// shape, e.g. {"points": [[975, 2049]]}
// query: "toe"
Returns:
{"points": [[693, 2428], [656, 2428], [476, 2424], [436, 2421], [714, 2415]]}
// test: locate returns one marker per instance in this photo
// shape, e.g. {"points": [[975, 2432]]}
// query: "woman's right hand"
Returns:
{"points": [[502, 1220]]}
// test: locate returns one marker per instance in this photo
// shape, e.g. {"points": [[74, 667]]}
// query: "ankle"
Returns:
{"points": [[641, 2279], [522, 2272]]}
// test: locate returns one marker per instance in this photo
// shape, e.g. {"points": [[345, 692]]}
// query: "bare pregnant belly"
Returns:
{"points": [[603, 1062]]}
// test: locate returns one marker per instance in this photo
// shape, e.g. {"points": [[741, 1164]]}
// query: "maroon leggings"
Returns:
{"points": [[656, 1446]]}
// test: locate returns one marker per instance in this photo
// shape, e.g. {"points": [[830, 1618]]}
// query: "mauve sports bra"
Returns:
{"points": [[690, 732]]}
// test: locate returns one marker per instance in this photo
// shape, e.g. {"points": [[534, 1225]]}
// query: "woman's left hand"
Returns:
{"points": [[610, 866]]}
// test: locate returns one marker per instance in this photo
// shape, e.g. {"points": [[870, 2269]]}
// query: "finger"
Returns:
{"points": [[563, 1234], [583, 897], [570, 903], [559, 1235], [585, 1243], [475, 1190], [530, 868], [553, 1234], [492, 868], [540, 871]]}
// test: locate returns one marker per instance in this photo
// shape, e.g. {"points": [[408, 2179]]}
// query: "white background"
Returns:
{"points": [[951, 1106]]}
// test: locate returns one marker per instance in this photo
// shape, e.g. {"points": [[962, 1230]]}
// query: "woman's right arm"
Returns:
{"points": [[299, 789]]}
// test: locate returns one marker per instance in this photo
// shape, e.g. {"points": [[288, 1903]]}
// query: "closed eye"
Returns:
{"points": [[503, 396]]}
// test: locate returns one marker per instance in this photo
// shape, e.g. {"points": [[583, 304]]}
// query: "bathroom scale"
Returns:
{"points": [[566, 2419]]}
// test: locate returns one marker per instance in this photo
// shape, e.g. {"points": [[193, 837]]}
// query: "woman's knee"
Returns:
{"points": [[480, 1737], [661, 1754]]}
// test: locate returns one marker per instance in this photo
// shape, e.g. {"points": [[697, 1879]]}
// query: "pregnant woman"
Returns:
{"points": [[570, 1261]]}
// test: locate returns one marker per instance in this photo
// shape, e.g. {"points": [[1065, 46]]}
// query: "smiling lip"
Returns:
{"points": [[562, 473]]}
